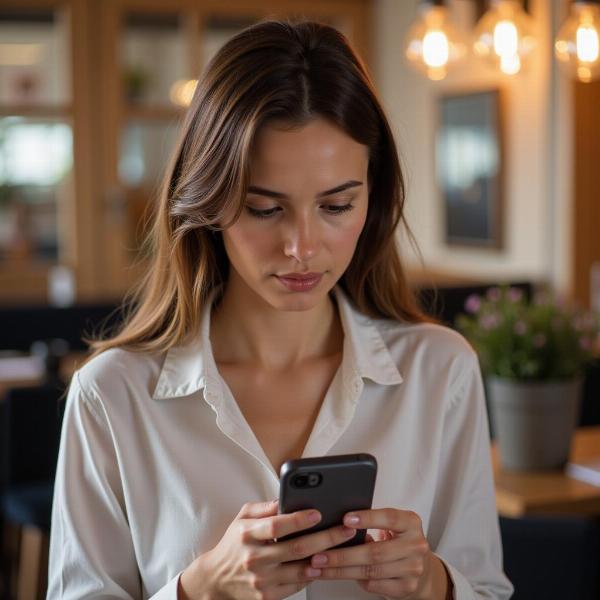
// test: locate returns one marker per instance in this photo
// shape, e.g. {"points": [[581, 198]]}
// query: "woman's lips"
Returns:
{"points": [[300, 275], [300, 283]]}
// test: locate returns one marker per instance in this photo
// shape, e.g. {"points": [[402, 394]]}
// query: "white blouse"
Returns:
{"points": [[156, 459]]}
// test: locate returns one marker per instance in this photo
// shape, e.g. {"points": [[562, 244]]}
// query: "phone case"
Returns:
{"points": [[346, 483]]}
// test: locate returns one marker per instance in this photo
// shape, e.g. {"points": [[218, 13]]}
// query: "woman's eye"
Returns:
{"points": [[338, 209], [262, 214], [332, 209]]}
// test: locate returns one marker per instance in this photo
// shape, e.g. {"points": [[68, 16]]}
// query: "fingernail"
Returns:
{"points": [[349, 532], [352, 519], [314, 516], [318, 560], [310, 572]]}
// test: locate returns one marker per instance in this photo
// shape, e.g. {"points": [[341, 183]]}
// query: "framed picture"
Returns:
{"points": [[469, 157]]}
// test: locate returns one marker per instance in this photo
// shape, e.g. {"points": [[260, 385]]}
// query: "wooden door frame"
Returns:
{"points": [[586, 181]]}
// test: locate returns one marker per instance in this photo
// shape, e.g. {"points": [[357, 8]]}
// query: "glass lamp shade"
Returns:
{"points": [[504, 36], [577, 46], [433, 45]]}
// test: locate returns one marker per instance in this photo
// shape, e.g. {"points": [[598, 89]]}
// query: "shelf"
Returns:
{"points": [[153, 113], [59, 111]]}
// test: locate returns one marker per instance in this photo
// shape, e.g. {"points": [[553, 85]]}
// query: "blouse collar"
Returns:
{"points": [[190, 367]]}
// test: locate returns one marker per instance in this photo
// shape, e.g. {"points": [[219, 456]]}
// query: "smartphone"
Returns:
{"points": [[334, 485]]}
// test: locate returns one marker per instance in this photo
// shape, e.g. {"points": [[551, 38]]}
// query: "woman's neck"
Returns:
{"points": [[244, 329]]}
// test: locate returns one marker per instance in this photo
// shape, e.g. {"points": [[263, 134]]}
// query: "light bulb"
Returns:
{"points": [[506, 39], [435, 49], [433, 46], [510, 64], [577, 46], [587, 44], [504, 36]]}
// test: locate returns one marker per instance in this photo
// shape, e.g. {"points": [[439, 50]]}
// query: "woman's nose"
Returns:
{"points": [[302, 240]]}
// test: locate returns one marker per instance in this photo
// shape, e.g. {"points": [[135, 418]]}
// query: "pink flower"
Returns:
{"points": [[473, 304], [494, 294], [515, 294], [490, 321], [585, 343], [520, 328], [539, 340]]}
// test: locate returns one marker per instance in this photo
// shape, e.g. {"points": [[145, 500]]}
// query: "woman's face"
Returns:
{"points": [[305, 209]]}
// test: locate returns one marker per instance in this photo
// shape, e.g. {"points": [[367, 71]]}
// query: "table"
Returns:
{"points": [[26, 371], [520, 493]]}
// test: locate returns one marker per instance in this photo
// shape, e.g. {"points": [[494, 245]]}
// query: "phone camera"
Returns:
{"points": [[300, 481], [308, 480]]}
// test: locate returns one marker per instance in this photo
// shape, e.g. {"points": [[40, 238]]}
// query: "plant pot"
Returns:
{"points": [[534, 421]]}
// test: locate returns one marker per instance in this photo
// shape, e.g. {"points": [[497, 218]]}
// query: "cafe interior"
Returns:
{"points": [[495, 108]]}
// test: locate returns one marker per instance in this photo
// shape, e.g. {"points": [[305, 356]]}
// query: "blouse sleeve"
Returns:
{"points": [[91, 551], [464, 531]]}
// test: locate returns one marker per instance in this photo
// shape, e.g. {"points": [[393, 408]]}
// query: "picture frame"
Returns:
{"points": [[469, 152]]}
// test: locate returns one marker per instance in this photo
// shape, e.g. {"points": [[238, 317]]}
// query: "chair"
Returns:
{"points": [[31, 424], [552, 557]]}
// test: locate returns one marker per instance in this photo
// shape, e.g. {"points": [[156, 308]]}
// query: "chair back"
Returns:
{"points": [[30, 425]]}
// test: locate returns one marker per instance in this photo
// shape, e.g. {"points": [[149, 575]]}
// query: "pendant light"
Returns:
{"points": [[504, 36], [577, 46], [433, 45]]}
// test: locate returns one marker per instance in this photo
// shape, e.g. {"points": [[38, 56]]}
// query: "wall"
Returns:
{"points": [[537, 108]]}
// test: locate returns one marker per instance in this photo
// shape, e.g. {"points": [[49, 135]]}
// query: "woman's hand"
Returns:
{"points": [[246, 564], [398, 565]]}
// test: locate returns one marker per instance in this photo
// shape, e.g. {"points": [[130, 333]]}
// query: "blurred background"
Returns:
{"points": [[496, 111], [92, 93]]}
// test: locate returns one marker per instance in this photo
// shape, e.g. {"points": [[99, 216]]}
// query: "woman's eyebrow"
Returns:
{"points": [[254, 189]]}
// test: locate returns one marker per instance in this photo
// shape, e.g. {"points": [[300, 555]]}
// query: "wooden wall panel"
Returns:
{"points": [[586, 172]]}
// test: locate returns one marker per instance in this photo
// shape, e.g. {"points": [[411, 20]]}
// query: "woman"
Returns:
{"points": [[276, 322]]}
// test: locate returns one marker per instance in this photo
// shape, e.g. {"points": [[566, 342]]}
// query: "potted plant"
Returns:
{"points": [[533, 355], [136, 80]]}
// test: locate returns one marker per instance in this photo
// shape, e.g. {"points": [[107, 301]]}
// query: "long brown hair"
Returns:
{"points": [[280, 70]]}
